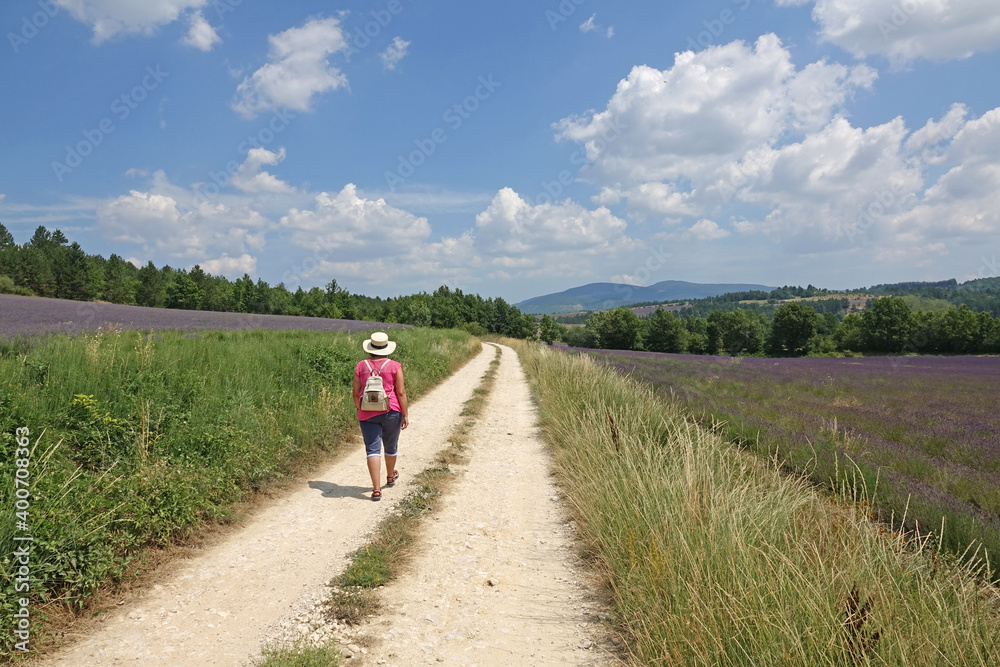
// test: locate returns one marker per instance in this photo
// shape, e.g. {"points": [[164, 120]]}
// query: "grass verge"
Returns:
{"points": [[353, 594], [716, 557], [926, 429], [136, 439]]}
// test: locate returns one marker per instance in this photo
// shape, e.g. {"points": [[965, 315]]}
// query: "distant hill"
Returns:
{"points": [[601, 296]]}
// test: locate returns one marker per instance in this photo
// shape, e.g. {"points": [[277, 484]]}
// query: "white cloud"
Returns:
{"points": [[395, 52], [231, 267], [358, 237], [907, 30], [108, 18], [347, 223], [741, 134], [710, 108], [201, 35], [175, 222], [297, 69], [964, 203], [651, 200], [819, 185], [707, 230], [591, 25], [511, 227], [927, 140], [251, 179]]}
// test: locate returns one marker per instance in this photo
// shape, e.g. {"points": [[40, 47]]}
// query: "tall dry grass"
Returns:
{"points": [[714, 557]]}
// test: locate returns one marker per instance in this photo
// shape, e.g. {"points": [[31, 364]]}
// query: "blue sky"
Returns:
{"points": [[510, 148]]}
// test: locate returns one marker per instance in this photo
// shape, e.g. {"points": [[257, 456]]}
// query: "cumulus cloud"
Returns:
{"points": [[908, 30], [927, 141], [847, 187], [348, 223], [662, 201], [707, 230], [298, 68], [231, 267], [819, 186], [108, 18], [709, 108], [355, 236], [395, 52], [175, 222], [201, 35], [738, 139], [250, 178], [964, 203], [511, 227]]}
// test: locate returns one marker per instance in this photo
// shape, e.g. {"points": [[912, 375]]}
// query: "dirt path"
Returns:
{"points": [[496, 580], [215, 608]]}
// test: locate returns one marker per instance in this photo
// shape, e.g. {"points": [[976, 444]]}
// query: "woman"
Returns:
{"points": [[380, 428]]}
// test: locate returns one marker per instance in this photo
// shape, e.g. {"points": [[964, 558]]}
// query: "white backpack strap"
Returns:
{"points": [[371, 371]]}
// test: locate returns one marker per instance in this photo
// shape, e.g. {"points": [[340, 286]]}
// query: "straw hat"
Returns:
{"points": [[379, 345]]}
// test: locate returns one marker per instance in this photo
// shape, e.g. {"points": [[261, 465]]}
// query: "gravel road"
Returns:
{"points": [[496, 580]]}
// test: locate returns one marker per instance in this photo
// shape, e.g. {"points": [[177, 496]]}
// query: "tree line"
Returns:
{"points": [[887, 326], [49, 265], [980, 295]]}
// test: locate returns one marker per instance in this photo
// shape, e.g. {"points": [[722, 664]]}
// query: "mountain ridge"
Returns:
{"points": [[602, 296]]}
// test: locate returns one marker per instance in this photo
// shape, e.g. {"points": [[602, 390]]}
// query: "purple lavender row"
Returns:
{"points": [[21, 315]]}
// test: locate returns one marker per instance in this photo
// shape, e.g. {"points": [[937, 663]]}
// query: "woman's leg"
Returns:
{"points": [[375, 470], [372, 433], [391, 425]]}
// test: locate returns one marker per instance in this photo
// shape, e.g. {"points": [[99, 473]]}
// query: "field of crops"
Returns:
{"points": [[923, 432], [21, 315]]}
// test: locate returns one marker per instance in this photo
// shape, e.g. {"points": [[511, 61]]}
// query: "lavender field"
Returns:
{"points": [[21, 315], [927, 428]]}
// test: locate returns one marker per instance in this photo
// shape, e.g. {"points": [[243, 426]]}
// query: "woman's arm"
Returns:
{"points": [[357, 391], [400, 388]]}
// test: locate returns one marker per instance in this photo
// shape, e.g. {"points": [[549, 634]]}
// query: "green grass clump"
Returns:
{"points": [[715, 557], [138, 438], [300, 656]]}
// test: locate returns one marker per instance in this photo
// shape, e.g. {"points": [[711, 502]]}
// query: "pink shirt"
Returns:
{"points": [[388, 373]]}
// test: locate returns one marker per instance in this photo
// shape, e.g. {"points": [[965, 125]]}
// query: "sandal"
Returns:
{"points": [[391, 481], [376, 494]]}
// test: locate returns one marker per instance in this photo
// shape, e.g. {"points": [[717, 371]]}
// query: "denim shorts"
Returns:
{"points": [[382, 431]]}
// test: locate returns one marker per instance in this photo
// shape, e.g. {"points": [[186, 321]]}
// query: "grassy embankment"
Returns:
{"points": [[137, 439], [714, 557], [924, 432], [354, 596]]}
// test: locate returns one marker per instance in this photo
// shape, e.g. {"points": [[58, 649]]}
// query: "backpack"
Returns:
{"points": [[374, 398]]}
